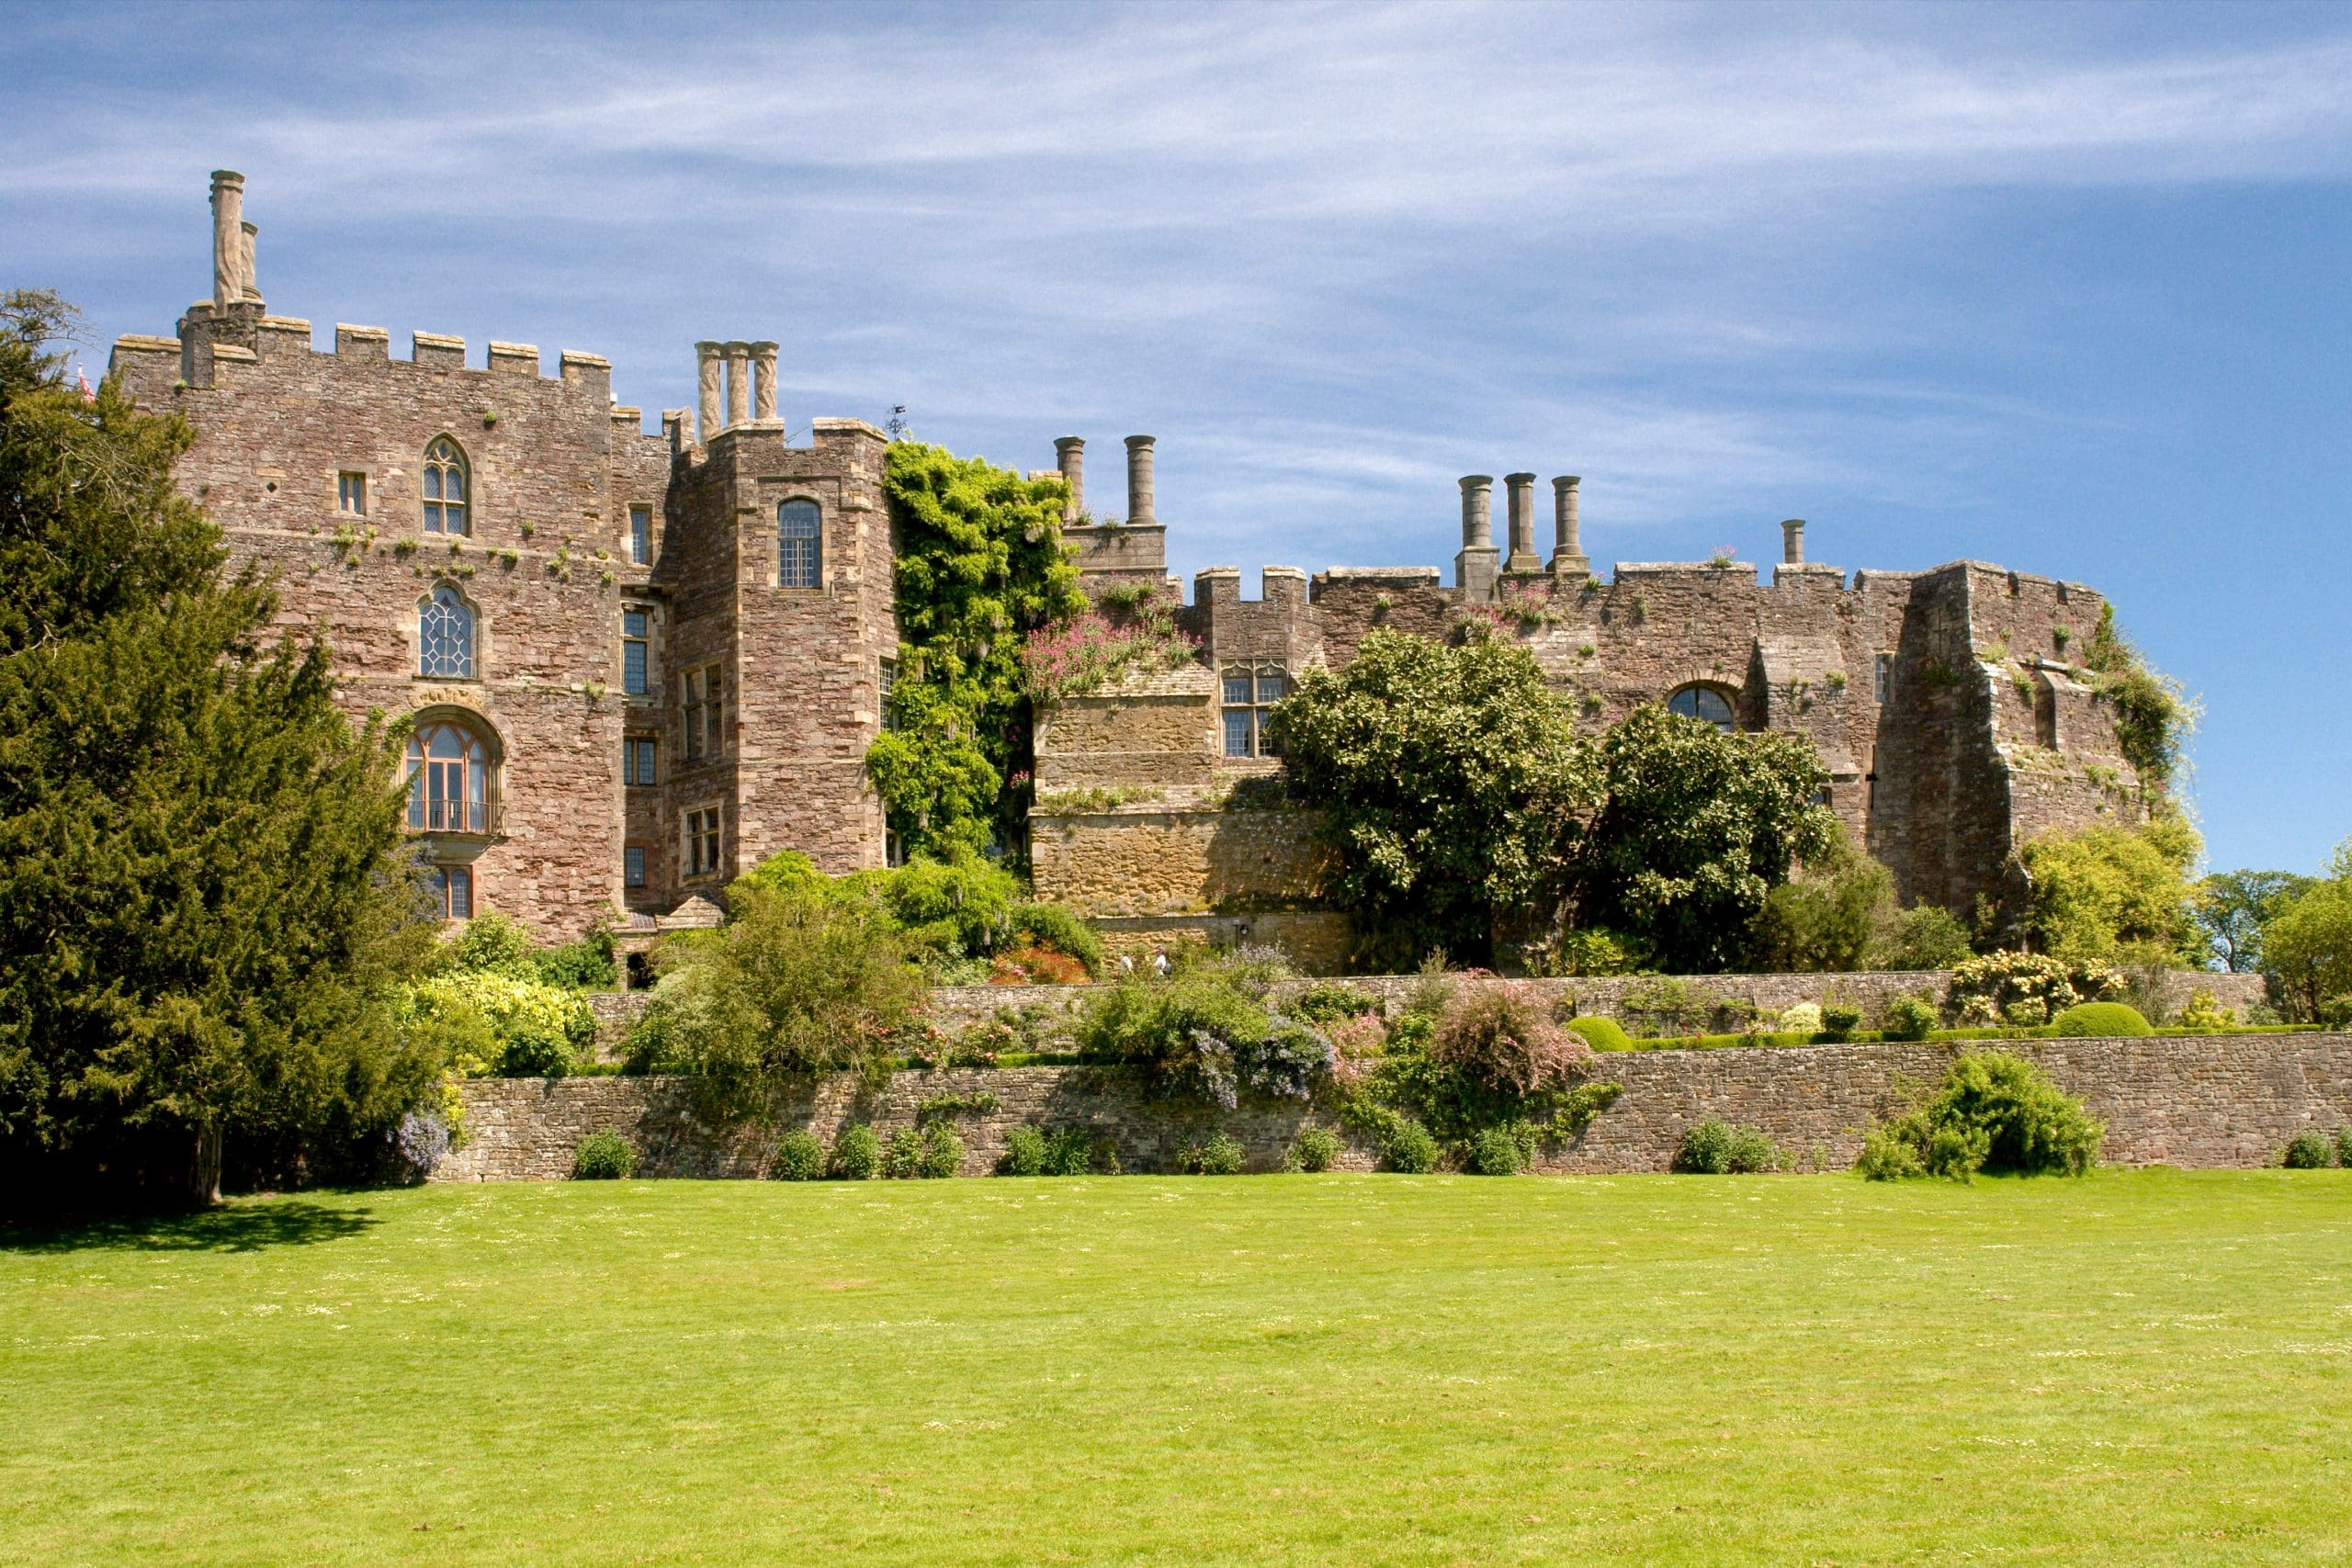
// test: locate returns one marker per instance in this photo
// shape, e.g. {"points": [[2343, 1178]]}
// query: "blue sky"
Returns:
{"points": [[2062, 288]]}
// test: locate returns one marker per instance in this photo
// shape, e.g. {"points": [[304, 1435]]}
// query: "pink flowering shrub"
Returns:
{"points": [[1087, 652]]}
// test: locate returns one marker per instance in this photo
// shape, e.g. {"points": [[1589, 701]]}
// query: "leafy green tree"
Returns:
{"points": [[2307, 944], [2231, 907], [2116, 894], [203, 917], [1827, 917], [798, 982], [981, 563], [1452, 781], [1694, 830]]}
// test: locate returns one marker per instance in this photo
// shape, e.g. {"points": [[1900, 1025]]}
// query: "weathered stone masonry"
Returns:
{"points": [[1945, 703], [2228, 1101]]}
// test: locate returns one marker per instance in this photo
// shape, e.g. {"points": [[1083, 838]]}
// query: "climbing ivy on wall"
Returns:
{"points": [[2153, 718], [980, 564]]}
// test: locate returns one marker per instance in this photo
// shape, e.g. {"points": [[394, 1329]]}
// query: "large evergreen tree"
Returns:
{"points": [[202, 903]]}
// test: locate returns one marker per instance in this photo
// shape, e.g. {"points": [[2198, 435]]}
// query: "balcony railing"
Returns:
{"points": [[475, 819]]}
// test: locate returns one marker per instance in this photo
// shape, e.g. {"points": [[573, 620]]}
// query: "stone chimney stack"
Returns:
{"points": [[706, 355], [1140, 480], [230, 284], [1474, 568], [1069, 456], [764, 382], [1568, 548], [739, 382], [253, 279], [1522, 524], [673, 430], [1793, 542]]}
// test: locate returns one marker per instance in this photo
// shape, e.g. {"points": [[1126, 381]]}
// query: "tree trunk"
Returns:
{"points": [[204, 1175]]}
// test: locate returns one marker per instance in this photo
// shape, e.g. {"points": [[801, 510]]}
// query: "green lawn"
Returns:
{"points": [[2142, 1367]]}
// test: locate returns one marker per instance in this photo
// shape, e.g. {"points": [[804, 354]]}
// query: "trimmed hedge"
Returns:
{"points": [[2100, 1021]]}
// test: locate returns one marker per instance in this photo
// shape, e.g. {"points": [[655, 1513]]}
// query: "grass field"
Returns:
{"points": [[2142, 1367]]}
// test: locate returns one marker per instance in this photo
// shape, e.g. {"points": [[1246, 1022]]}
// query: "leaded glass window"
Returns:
{"points": [[445, 488], [445, 637], [801, 545]]}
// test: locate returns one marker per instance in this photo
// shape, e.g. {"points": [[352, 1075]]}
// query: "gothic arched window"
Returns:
{"points": [[445, 637], [448, 779], [1705, 703], [445, 488], [800, 548]]}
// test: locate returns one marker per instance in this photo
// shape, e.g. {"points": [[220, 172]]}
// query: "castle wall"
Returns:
{"points": [[277, 424]]}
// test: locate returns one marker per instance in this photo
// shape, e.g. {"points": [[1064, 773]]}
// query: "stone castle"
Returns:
{"points": [[640, 663]]}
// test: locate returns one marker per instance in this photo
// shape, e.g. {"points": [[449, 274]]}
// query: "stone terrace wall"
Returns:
{"points": [[958, 1006], [1869, 990], [2231, 1101]]}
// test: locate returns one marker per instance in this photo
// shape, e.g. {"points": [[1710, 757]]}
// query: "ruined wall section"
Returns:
{"points": [[276, 424]]}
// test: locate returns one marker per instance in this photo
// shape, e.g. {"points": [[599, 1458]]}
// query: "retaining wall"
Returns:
{"points": [[956, 1006], [2219, 1101]]}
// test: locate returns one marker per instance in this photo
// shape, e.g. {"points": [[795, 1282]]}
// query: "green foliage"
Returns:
{"points": [[2026, 988], [1073, 1151], [535, 1030], [2308, 1151], [902, 1154], [1207, 1031], [590, 963], [1712, 1147], [493, 942], [1406, 1146], [205, 907], [2231, 907], [979, 563], [1602, 1033], [1994, 1111], [960, 907], [604, 1155], [1910, 1018], [2204, 1012], [2111, 893], [1328, 1001], [1695, 827], [1220, 1155], [1024, 1151], [1803, 1018], [1927, 936], [1595, 950], [1315, 1148], [1493, 1058], [1451, 779], [2152, 717], [1839, 1020], [1827, 917], [939, 1153], [1504, 1149], [795, 984], [2343, 1145], [964, 907], [857, 1152], [1053, 927], [2097, 1020], [799, 1157], [2307, 946]]}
